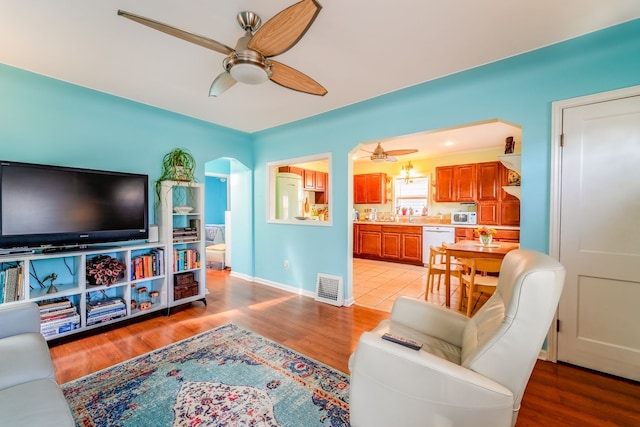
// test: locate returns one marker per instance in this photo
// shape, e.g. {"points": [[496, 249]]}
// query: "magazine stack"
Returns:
{"points": [[104, 310], [58, 316]]}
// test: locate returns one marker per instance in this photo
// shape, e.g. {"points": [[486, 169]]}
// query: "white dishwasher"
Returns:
{"points": [[434, 235]]}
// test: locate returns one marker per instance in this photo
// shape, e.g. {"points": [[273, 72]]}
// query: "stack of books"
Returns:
{"points": [[185, 234], [58, 316], [105, 309], [11, 283], [148, 265]]}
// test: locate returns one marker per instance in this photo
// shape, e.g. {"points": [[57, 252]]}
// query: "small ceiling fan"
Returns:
{"points": [[380, 155], [250, 61]]}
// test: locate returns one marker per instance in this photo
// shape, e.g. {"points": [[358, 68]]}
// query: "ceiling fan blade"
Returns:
{"points": [[176, 32], [400, 152], [223, 82], [391, 159], [294, 79], [285, 29]]}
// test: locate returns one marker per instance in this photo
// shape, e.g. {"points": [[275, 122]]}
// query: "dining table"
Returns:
{"points": [[472, 249]]}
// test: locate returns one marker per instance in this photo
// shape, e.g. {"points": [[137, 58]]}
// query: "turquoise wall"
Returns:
{"points": [[49, 121], [43, 120], [520, 90]]}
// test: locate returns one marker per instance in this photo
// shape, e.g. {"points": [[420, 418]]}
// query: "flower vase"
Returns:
{"points": [[485, 239]]}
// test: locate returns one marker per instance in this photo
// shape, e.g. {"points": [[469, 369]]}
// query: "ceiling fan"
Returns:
{"points": [[250, 61], [380, 155]]}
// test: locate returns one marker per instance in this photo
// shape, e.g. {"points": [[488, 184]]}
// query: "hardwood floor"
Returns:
{"points": [[557, 394]]}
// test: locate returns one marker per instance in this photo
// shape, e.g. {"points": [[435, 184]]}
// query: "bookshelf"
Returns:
{"points": [[79, 291], [181, 221]]}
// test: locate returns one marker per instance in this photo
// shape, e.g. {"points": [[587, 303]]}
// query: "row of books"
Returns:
{"points": [[148, 265], [185, 259], [105, 309], [11, 283], [58, 316], [185, 234]]}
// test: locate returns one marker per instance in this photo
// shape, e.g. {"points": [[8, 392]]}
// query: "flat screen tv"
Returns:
{"points": [[53, 206]]}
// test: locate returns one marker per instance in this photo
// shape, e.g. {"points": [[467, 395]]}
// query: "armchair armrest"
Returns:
{"points": [[19, 318], [430, 319]]}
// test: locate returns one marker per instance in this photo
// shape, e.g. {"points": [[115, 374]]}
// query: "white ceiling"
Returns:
{"points": [[357, 49], [490, 134]]}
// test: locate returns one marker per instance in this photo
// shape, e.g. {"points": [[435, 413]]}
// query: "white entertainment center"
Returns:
{"points": [[79, 290]]}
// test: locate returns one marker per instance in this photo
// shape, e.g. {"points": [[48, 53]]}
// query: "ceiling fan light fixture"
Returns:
{"points": [[249, 73]]}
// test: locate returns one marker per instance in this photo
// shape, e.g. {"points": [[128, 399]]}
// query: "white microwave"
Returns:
{"points": [[463, 218]]}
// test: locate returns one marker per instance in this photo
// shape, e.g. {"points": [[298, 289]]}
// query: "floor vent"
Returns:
{"points": [[329, 289]]}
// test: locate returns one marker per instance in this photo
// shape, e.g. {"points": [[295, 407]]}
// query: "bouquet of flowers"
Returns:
{"points": [[485, 231]]}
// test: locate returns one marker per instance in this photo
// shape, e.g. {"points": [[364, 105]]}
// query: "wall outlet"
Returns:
{"points": [[286, 263]]}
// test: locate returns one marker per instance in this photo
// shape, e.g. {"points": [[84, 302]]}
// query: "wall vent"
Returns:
{"points": [[329, 289]]}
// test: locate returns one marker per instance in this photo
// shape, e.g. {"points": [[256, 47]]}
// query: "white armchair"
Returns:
{"points": [[470, 371]]}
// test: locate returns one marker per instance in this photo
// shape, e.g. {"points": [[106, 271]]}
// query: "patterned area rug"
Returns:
{"points": [[224, 377]]}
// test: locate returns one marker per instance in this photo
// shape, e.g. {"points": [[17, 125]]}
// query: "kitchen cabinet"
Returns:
{"points": [[321, 181], [465, 179], [482, 183], [395, 243], [291, 169], [468, 233], [411, 246], [456, 183], [489, 213], [488, 181], [510, 212], [391, 242], [370, 240], [308, 179], [370, 188], [312, 180]]}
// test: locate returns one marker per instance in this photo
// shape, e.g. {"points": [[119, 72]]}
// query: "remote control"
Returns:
{"points": [[415, 345]]}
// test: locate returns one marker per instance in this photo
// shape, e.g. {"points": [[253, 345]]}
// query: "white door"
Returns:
{"points": [[599, 242]]}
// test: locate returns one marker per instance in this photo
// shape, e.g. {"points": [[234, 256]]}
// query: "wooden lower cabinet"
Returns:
{"points": [[370, 240], [394, 243], [411, 249], [391, 242], [464, 233]]}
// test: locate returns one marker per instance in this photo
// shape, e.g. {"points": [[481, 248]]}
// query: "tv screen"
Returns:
{"points": [[43, 206]]}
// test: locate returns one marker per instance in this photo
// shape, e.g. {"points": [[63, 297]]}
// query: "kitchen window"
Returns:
{"points": [[411, 194]]}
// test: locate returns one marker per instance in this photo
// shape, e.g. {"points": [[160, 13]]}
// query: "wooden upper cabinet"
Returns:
{"points": [[488, 213], [488, 181], [292, 169], [465, 182], [456, 183], [321, 181], [444, 184], [309, 179], [370, 188], [510, 212], [359, 189]]}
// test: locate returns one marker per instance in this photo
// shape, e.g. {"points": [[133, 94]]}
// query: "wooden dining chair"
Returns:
{"points": [[481, 278], [438, 267]]}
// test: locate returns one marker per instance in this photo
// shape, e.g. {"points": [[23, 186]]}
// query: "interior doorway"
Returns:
{"points": [[469, 143]]}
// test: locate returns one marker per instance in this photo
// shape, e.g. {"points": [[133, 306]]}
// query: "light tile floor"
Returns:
{"points": [[377, 284]]}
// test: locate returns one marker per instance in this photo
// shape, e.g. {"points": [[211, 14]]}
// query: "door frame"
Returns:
{"points": [[557, 109]]}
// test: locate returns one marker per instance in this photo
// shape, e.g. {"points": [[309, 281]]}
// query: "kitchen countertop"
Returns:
{"points": [[418, 222]]}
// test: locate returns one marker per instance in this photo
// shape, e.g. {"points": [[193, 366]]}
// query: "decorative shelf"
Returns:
{"points": [[512, 161], [514, 190]]}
